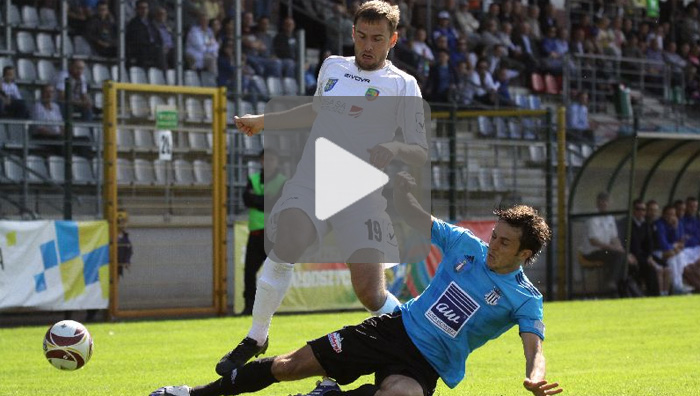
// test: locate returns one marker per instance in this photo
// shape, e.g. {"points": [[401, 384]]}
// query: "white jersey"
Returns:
{"points": [[359, 109]]}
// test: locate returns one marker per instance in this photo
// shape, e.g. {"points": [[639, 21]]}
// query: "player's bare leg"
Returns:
{"points": [[369, 283], [295, 232]]}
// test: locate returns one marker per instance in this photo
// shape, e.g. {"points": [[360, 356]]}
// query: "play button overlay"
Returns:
{"points": [[328, 179], [342, 179]]}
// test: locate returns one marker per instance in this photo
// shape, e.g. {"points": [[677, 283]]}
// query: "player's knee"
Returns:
{"points": [[370, 296], [399, 385]]}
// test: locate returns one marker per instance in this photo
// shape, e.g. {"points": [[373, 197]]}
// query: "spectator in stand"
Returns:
{"points": [[256, 50], [493, 12], [214, 9], [503, 93], [639, 245], [226, 65], [263, 8], [692, 85], [420, 47], [143, 42], [602, 243], [505, 37], [554, 47], [690, 27], [441, 80], [518, 13], [577, 125], [102, 31], [46, 109], [339, 30], [266, 50], [691, 230], [11, 103], [658, 35], [628, 28], [668, 249], [529, 49], [548, 17], [228, 31], [80, 98], [201, 47], [533, 19], [463, 74], [657, 272], [506, 14], [215, 26], [78, 16], [444, 29], [618, 37], [285, 47], [633, 49], [604, 39], [160, 21], [462, 54], [489, 33], [694, 55], [655, 70], [482, 89], [406, 12], [676, 62], [465, 20], [498, 58]]}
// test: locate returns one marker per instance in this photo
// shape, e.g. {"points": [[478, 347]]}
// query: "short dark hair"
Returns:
{"points": [[535, 231], [376, 10], [6, 68]]}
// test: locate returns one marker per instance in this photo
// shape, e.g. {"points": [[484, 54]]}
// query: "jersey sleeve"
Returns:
{"points": [[411, 115], [443, 234], [529, 317]]}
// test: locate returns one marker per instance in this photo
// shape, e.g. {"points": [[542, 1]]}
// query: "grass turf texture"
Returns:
{"points": [[634, 347]]}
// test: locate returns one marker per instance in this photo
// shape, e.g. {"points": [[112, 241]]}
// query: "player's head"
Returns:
{"points": [[374, 33], [517, 238], [691, 206]]}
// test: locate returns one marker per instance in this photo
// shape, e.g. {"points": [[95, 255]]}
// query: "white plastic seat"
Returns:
{"points": [[37, 171], [81, 46], [69, 45], [155, 76], [192, 79], [137, 75], [171, 77], [246, 108], [82, 171], [274, 86], [115, 74], [30, 17], [82, 132], [48, 18], [485, 180], [184, 172], [208, 110], [291, 88], [26, 70], [208, 79], [125, 171], [197, 141], [57, 168], [153, 102], [13, 168], [260, 84], [14, 15], [125, 139], [100, 73], [485, 126], [139, 106], [515, 130], [144, 172], [47, 71], [501, 128], [193, 109], [162, 172], [45, 44], [260, 107], [202, 172], [98, 100], [144, 140], [25, 43]]}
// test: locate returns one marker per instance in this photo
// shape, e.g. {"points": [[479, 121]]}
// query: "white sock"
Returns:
{"points": [[275, 279], [389, 305]]}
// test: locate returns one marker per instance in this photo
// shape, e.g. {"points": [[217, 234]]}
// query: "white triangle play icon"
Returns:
{"points": [[342, 178]]}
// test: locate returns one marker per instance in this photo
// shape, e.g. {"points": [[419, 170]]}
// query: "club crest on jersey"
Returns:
{"points": [[371, 93], [461, 264], [336, 342], [330, 84], [493, 296]]}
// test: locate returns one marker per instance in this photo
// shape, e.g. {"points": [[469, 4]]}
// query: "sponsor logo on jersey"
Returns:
{"points": [[371, 93], [493, 296], [357, 78], [330, 84], [355, 111], [452, 310], [336, 342]]}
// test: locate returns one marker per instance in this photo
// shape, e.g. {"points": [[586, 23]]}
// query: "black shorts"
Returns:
{"points": [[378, 345]]}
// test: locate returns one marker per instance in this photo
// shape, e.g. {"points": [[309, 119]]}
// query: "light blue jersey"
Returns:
{"points": [[467, 304]]}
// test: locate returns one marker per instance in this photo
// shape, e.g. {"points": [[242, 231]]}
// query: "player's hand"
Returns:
{"points": [[404, 182], [542, 388], [381, 154], [249, 124]]}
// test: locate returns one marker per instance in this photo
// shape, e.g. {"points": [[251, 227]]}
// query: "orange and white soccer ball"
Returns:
{"points": [[68, 345]]}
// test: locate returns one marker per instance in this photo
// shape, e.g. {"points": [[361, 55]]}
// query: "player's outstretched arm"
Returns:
{"points": [[535, 367], [412, 154], [302, 116], [406, 203]]}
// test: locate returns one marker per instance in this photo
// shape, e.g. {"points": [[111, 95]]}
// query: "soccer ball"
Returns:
{"points": [[68, 345]]}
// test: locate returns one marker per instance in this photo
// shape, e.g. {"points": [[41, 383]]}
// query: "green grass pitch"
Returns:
{"points": [[636, 347]]}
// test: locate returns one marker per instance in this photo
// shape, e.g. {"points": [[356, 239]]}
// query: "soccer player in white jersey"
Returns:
{"points": [[478, 293], [295, 226]]}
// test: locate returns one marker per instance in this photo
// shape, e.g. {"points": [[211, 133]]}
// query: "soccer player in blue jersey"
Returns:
{"points": [[479, 292]]}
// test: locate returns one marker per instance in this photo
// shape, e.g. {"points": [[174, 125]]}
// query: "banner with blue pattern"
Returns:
{"points": [[54, 265]]}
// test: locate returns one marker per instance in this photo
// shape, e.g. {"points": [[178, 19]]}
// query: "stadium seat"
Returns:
{"points": [[100, 73], [87, 73], [521, 101], [274, 86], [501, 127], [115, 74], [153, 102], [208, 110], [192, 79], [57, 168], [252, 144], [82, 132], [515, 130], [15, 136], [485, 126], [3, 134], [14, 15], [537, 83], [260, 84], [137, 75], [144, 140], [144, 172], [437, 179], [125, 139], [208, 79], [246, 108], [98, 100], [535, 102], [202, 172], [6, 61], [125, 171], [83, 172], [586, 150], [48, 18], [171, 76], [81, 46], [13, 168], [550, 84], [69, 45], [25, 43], [139, 106], [486, 179], [537, 154], [193, 109], [197, 141], [38, 173], [162, 172], [47, 71], [30, 17], [291, 88], [45, 45], [155, 76], [184, 172], [260, 107], [26, 71], [499, 183]]}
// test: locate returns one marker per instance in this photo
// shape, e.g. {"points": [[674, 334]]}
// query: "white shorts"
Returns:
{"points": [[353, 229]]}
